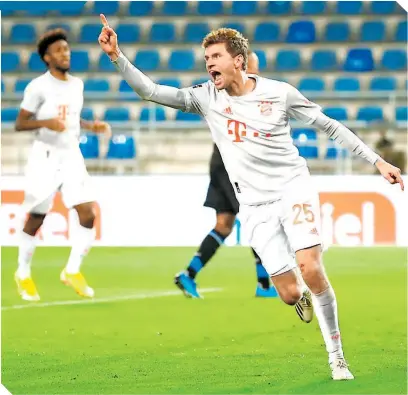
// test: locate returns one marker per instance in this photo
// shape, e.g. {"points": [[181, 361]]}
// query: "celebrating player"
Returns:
{"points": [[248, 117], [51, 108]]}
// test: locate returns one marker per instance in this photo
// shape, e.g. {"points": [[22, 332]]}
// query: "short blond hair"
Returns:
{"points": [[235, 42]]}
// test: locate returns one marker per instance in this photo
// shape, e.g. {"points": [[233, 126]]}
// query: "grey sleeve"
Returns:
{"points": [[344, 136]]}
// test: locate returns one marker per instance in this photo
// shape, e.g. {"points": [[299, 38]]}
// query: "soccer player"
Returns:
{"points": [[279, 205], [221, 197], [51, 108]]}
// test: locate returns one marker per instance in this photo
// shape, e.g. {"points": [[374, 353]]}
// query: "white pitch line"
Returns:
{"points": [[108, 299]]}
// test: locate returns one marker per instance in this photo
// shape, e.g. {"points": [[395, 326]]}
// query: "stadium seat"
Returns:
{"points": [[9, 114], [337, 113], [401, 32], [87, 114], [22, 34], [383, 84], [89, 146], [323, 60], [301, 32], [359, 59], [335, 152], [20, 85], [370, 114], [147, 60], [116, 114], [90, 33], [347, 84], [279, 7], [181, 60], [244, 7], [162, 33], [210, 8], [235, 25], [96, 85], [106, 7], [79, 61], [267, 32], [152, 114], [3, 87], [128, 33], [42, 8], [63, 26], [195, 32], [105, 64], [349, 7], [127, 92], [9, 7], [10, 61], [140, 8], [35, 63], [262, 59], [394, 59], [174, 8], [337, 31], [382, 7], [372, 31], [187, 116], [199, 81], [401, 114], [313, 7], [175, 82], [305, 141], [287, 60], [311, 84], [121, 147]]}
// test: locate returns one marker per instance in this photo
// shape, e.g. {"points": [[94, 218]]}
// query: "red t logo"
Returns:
{"points": [[237, 129]]}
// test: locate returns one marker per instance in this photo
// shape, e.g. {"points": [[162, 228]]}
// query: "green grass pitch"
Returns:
{"points": [[228, 343]]}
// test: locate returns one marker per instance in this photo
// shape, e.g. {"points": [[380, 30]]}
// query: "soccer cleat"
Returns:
{"points": [[27, 289], [187, 285], [304, 307], [78, 282], [265, 293], [340, 370]]}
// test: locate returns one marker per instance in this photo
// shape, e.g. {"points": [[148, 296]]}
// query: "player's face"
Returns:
{"points": [[59, 55], [221, 66]]}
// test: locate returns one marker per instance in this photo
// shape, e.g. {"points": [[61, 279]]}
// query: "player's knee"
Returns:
{"points": [[309, 265], [291, 294], [34, 223], [223, 229], [87, 218]]}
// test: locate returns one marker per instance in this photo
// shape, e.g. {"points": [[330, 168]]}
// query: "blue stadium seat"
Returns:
{"points": [[22, 34], [323, 60], [3, 86], [199, 81], [35, 63], [175, 8], [210, 7], [10, 61], [141, 8], [262, 59], [65, 8], [267, 32], [401, 114], [63, 26], [338, 113], [347, 84], [349, 7], [106, 7], [87, 114], [195, 32], [89, 146], [244, 7], [79, 61], [162, 33], [383, 84], [370, 114], [235, 25], [20, 85], [311, 84], [313, 7], [105, 63], [116, 114], [334, 152], [147, 60], [394, 59], [382, 7], [359, 59], [96, 85], [128, 33], [121, 147], [288, 60], [174, 82], [9, 114], [305, 141], [372, 31], [181, 60], [152, 114], [9, 7], [337, 31], [90, 33], [126, 92], [279, 7], [301, 32], [401, 32], [187, 116]]}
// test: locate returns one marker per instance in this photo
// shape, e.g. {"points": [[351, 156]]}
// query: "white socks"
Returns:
{"points": [[81, 245], [325, 306], [25, 253]]}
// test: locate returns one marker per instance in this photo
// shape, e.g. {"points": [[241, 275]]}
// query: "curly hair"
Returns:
{"points": [[49, 38]]}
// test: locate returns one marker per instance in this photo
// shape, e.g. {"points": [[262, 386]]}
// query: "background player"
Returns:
{"points": [[221, 197], [278, 203], [51, 108]]}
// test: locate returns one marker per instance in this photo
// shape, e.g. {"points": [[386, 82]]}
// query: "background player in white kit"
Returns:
{"points": [[278, 204], [51, 108]]}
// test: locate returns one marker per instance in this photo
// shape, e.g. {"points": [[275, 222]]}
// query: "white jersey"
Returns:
{"points": [[48, 97]]}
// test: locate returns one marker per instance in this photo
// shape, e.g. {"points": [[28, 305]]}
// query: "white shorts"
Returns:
{"points": [[50, 170], [277, 230]]}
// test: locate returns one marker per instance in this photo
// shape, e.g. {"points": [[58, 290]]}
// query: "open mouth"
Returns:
{"points": [[216, 76]]}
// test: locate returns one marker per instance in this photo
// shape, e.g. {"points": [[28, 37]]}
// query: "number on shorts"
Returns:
{"points": [[308, 214]]}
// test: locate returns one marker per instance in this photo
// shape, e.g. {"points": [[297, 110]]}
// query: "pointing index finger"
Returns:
{"points": [[104, 21]]}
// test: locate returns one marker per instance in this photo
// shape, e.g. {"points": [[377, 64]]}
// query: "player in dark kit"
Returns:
{"points": [[221, 197]]}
